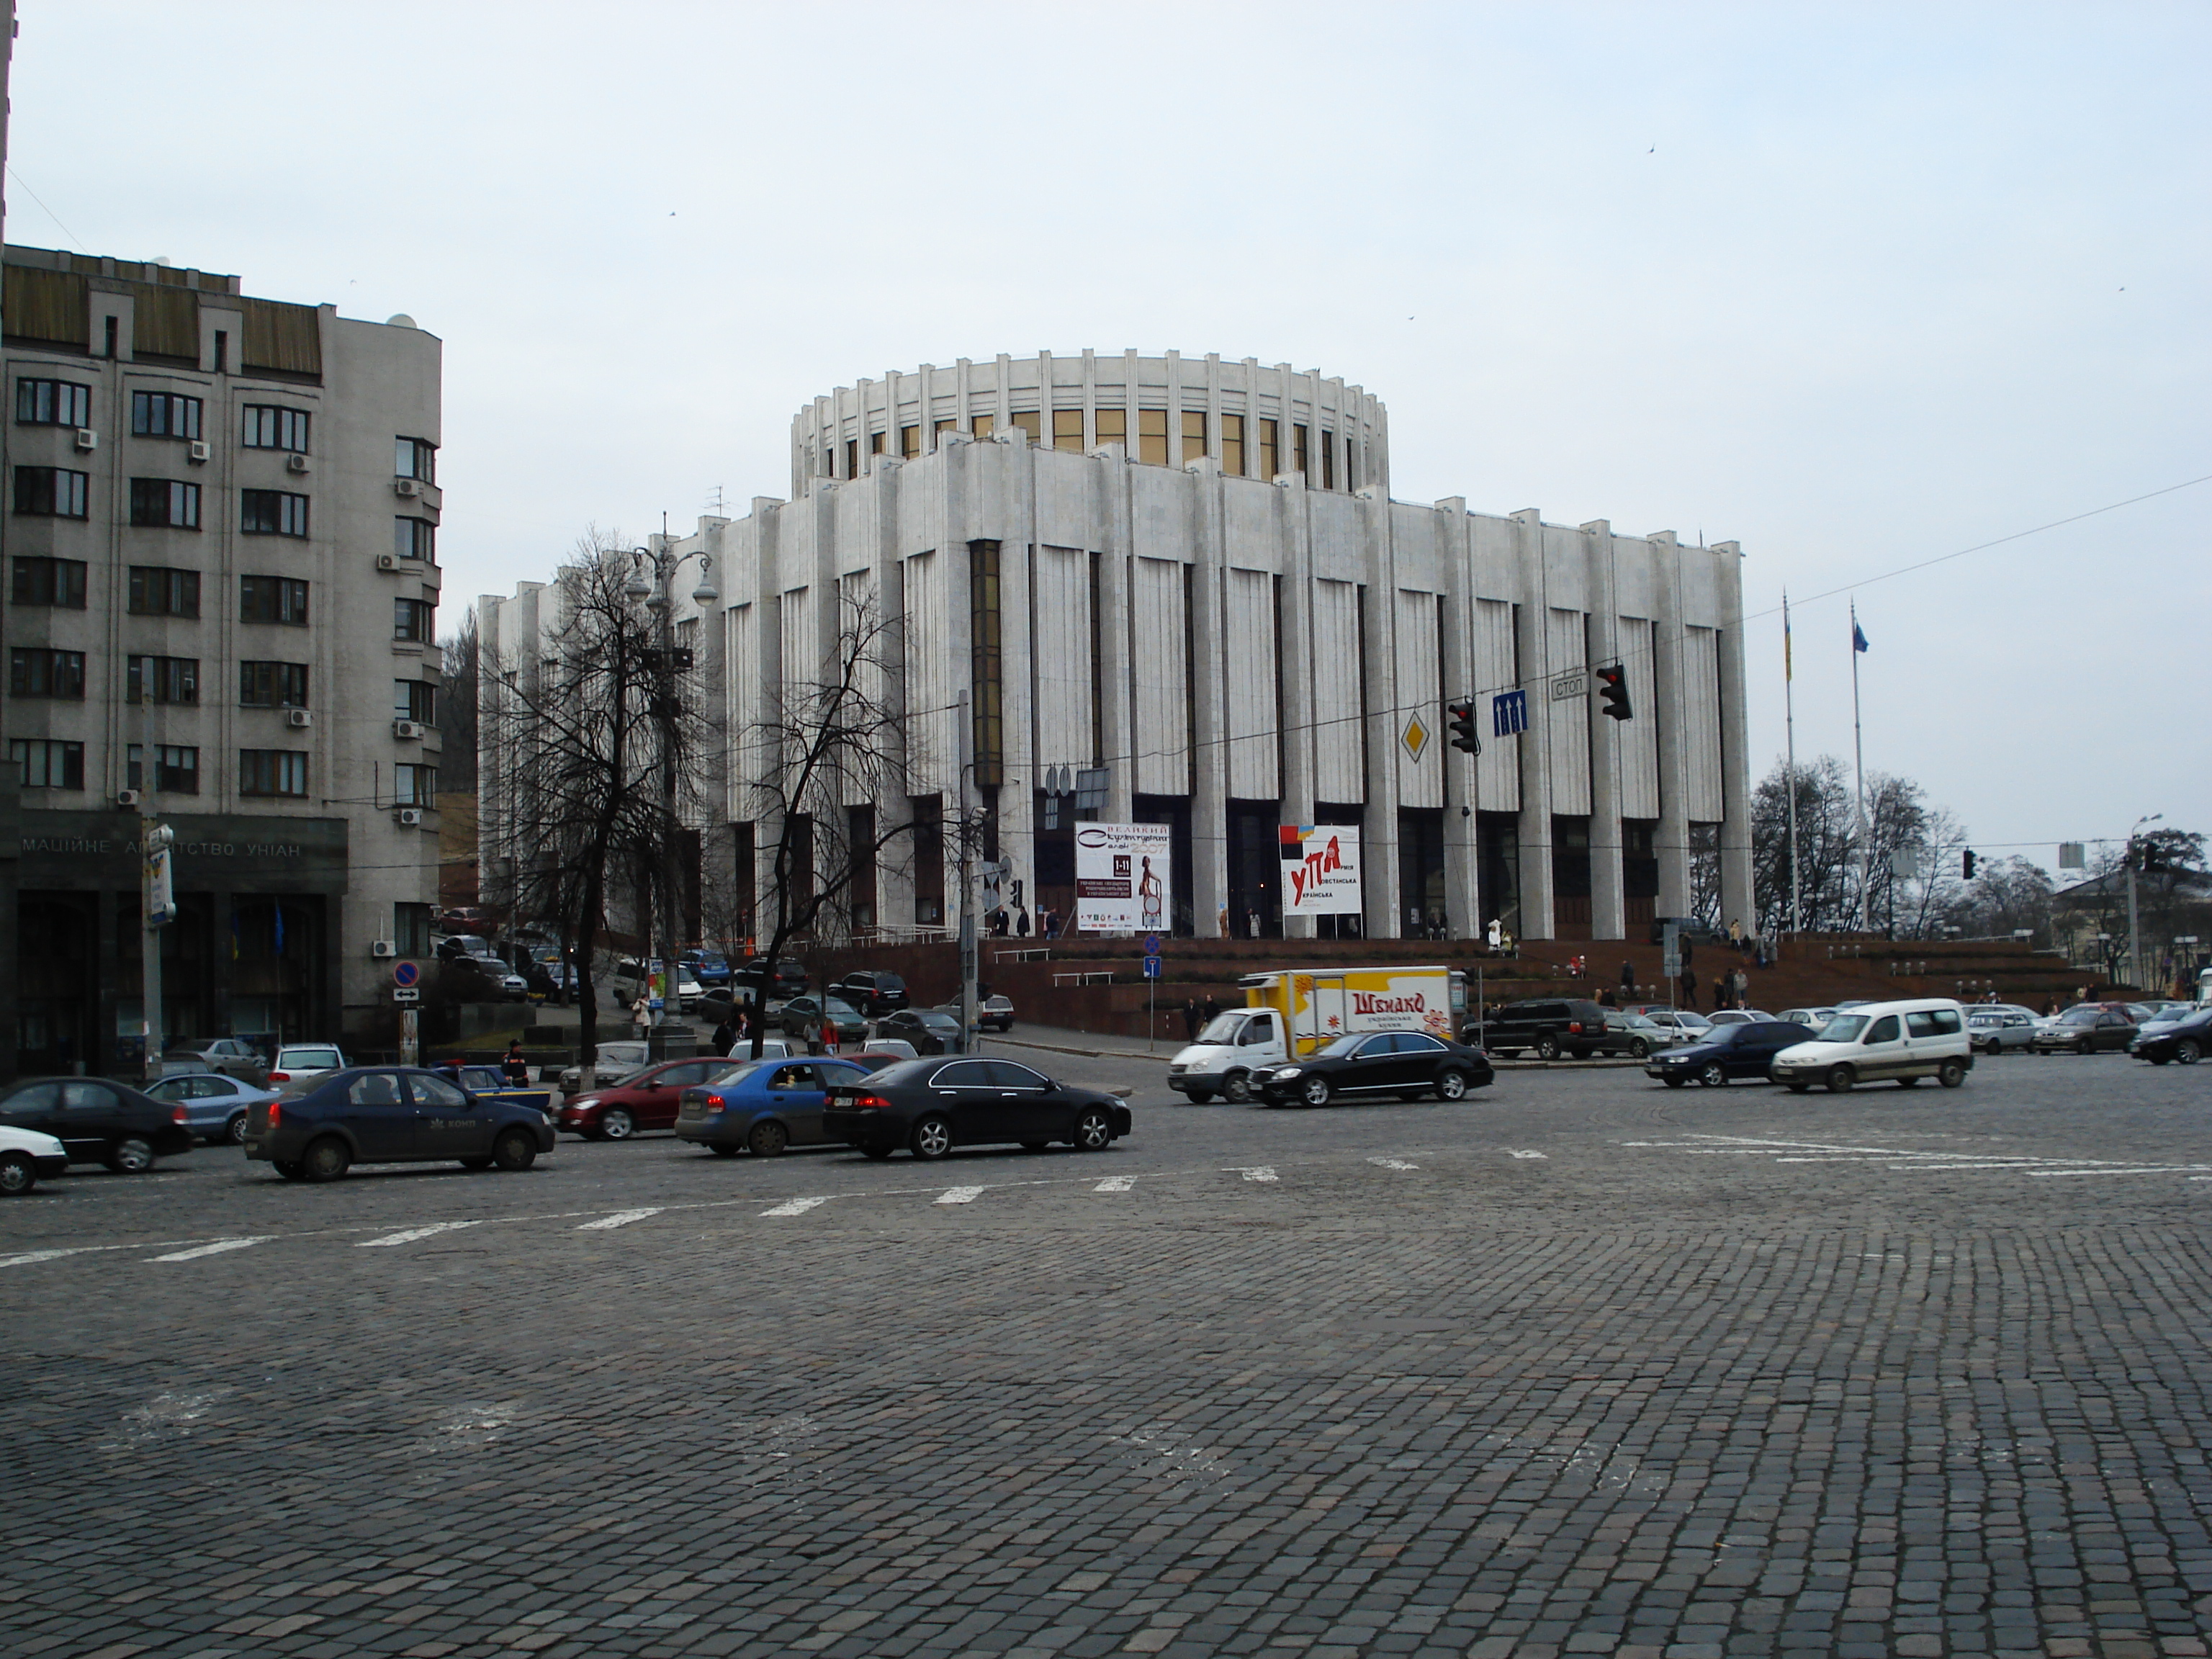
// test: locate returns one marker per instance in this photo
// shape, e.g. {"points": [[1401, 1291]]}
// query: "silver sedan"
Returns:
{"points": [[214, 1105], [1994, 1029]]}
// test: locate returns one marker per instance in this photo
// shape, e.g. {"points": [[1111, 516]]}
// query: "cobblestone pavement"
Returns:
{"points": [[1580, 1366]]}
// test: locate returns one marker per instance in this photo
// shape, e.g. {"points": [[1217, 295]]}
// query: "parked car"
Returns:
{"points": [[877, 1055], [774, 1047], [763, 1109], [754, 975], [214, 1105], [98, 1120], [1552, 1026], [1742, 1017], [455, 946], [1688, 928], [804, 1016], [26, 1157], [500, 979], [929, 1031], [2088, 1028], [490, 1082], [931, 1106], [391, 1115], [467, 919], [1745, 1049], [874, 991], [232, 1056], [1687, 1021], [1811, 1018], [993, 1013], [616, 1061], [2185, 1037], [1880, 1042], [303, 1062], [1993, 1028], [1371, 1064], [645, 1100], [1640, 1036], [630, 982], [709, 968], [552, 979]]}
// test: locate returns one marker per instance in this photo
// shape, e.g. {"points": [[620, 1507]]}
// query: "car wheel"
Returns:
{"points": [[130, 1155], [2156, 1060], [1639, 1049], [18, 1175], [514, 1151], [234, 1131], [1236, 1088], [325, 1159], [616, 1124], [767, 1139], [1840, 1080], [1676, 1080], [1094, 1130], [1316, 1091], [2082, 1047], [1908, 1083], [476, 1165], [932, 1139], [1548, 1047], [288, 1169], [1713, 1075], [1950, 1074], [723, 1149], [1200, 1097], [1799, 1088], [1451, 1086], [2187, 1052], [877, 1154]]}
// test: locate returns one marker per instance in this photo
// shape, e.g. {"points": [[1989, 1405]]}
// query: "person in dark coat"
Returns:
{"points": [[516, 1067], [1212, 1011], [1689, 988], [725, 1035], [1628, 981], [1190, 1020]]}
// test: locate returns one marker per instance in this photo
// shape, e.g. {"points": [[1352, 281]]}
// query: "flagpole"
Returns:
{"points": [[1789, 724], [1858, 764]]}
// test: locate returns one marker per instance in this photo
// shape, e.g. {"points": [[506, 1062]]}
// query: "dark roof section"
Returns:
{"points": [[47, 299]]}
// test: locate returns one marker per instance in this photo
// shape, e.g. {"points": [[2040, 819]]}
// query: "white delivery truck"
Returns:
{"points": [[1297, 1010]]}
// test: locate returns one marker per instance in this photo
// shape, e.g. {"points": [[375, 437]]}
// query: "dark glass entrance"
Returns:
{"points": [[1255, 870], [1421, 912]]}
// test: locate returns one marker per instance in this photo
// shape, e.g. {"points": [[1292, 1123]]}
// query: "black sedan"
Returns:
{"points": [[392, 1115], [931, 1106], [99, 1121], [1726, 1052], [930, 1031], [2186, 1039], [1373, 1064]]}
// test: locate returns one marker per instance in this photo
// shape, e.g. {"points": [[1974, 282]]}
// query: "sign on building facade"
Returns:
{"points": [[1321, 869], [1121, 874]]}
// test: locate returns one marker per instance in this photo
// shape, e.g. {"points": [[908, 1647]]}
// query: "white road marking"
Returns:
{"points": [[1115, 1184], [1530, 1155], [1258, 1172], [216, 1248], [409, 1235], [1914, 1158], [28, 1256], [619, 1219], [2148, 1169], [959, 1195], [1392, 1163], [796, 1206]]}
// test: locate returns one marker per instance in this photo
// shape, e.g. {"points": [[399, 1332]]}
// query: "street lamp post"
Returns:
{"points": [[2134, 947], [654, 593]]}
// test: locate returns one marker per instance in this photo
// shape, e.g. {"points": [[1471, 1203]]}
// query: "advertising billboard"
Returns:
{"points": [[1321, 869], [1122, 878]]}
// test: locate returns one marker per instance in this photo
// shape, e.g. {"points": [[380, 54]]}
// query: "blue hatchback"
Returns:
{"points": [[765, 1108], [707, 967]]}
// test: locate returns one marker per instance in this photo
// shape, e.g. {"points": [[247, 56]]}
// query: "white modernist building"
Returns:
{"points": [[1181, 584]]}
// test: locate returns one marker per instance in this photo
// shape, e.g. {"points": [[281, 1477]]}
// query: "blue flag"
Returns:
{"points": [[1858, 638]]}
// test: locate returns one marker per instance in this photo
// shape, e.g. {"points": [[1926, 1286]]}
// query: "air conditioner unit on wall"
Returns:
{"points": [[409, 817], [407, 728], [295, 463], [87, 438], [387, 562], [405, 487], [383, 947], [126, 798], [298, 719], [198, 451]]}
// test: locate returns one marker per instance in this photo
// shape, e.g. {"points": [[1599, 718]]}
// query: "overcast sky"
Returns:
{"points": [[1856, 287]]}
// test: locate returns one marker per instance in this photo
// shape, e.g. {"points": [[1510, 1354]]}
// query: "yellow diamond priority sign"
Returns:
{"points": [[1415, 737]]}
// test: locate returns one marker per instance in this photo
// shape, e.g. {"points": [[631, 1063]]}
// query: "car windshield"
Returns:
{"points": [[1345, 1045], [1843, 1028], [1640, 1023], [1222, 1027], [2080, 1016]]}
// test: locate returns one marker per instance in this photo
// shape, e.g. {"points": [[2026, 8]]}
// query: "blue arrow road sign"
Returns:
{"points": [[1508, 713]]}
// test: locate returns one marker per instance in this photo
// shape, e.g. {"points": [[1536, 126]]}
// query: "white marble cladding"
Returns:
{"points": [[1219, 637]]}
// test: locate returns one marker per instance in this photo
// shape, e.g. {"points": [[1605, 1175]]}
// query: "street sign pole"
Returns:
{"points": [[1152, 988]]}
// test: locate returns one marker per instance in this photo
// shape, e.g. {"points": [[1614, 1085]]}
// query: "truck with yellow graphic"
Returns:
{"points": [[1291, 1013]]}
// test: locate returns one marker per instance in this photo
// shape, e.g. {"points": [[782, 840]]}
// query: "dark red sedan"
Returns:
{"points": [[643, 1100]]}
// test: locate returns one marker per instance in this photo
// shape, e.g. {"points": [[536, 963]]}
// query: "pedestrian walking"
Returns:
{"points": [[1628, 981], [1720, 992], [1190, 1019], [725, 1035], [828, 1035], [1735, 936], [1742, 988], [1212, 1011], [1689, 982]]}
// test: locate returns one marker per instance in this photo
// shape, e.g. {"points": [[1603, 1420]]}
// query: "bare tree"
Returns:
{"points": [[1830, 869], [575, 733], [457, 710]]}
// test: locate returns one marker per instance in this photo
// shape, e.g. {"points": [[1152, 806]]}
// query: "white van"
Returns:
{"points": [[1883, 1042]]}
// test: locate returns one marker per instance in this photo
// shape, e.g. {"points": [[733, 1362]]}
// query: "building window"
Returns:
{"points": [[272, 513], [909, 441], [1031, 422], [159, 590], [58, 582], [54, 491], [272, 685], [1153, 436], [221, 351], [1113, 425], [1327, 462], [1267, 431], [982, 426], [415, 700], [415, 539], [414, 786], [1299, 453], [35, 671], [414, 620], [1193, 434], [176, 770], [53, 403], [415, 457], [852, 458], [1232, 445], [164, 415], [272, 772], [272, 600], [948, 424], [176, 680], [162, 502], [44, 765], [411, 929], [270, 427], [1351, 462], [875, 443], [986, 666], [1067, 429]]}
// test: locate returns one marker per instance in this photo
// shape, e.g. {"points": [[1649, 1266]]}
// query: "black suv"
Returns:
{"points": [[752, 980], [1552, 1026], [873, 991]]}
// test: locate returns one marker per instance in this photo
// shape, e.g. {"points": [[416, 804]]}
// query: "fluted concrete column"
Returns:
{"points": [[1462, 874], [1294, 542], [1738, 897], [1608, 906], [1671, 843], [1209, 785], [1539, 917]]}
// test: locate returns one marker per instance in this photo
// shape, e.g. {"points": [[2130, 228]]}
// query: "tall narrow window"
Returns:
{"points": [[875, 443], [1113, 427], [221, 352], [852, 458], [415, 539], [109, 343], [987, 684], [411, 929], [1067, 429], [413, 620], [1267, 431], [1232, 445], [1031, 422], [909, 442], [1327, 461], [1299, 458], [417, 459], [1193, 434], [1153, 436], [984, 425], [415, 700]]}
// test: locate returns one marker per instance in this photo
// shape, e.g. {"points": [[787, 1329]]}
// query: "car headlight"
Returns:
{"points": [[1289, 1072]]}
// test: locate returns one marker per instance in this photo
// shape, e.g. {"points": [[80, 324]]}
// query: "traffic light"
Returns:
{"points": [[1967, 864], [1461, 715], [1613, 686]]}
